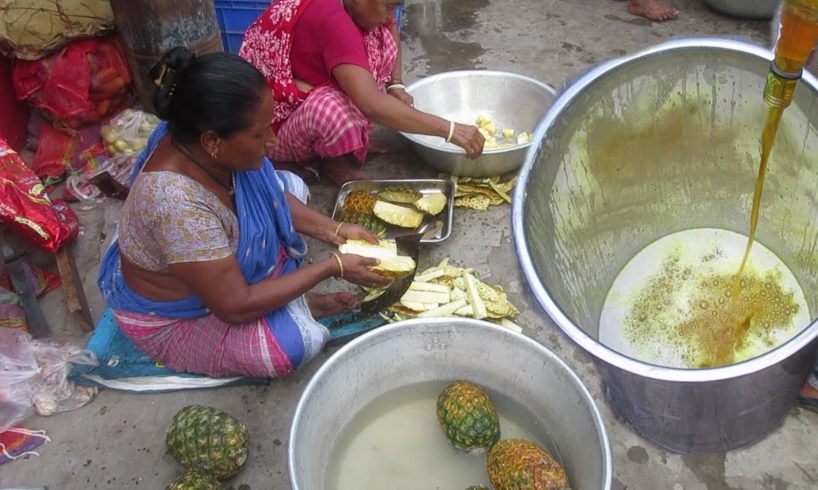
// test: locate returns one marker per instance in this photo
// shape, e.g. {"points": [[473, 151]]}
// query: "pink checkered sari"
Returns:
{"points": [[322, 122]]}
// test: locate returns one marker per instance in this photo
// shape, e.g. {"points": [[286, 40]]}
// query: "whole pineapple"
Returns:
{"points": [[369, 222], [517, 464], [208, 441], [194, 481], [468, 417], [359, 202]]}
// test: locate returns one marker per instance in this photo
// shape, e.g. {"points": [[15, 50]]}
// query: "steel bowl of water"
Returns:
{"points": [[355, 402], [511, 101], [647, 147]]}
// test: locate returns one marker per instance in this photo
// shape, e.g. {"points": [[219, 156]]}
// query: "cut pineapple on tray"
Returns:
{"points": [[398, 215], [432, 203], [399, 194]]}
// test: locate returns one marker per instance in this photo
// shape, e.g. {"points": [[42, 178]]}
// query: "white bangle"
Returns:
{"points": [[396, 85], [451, 132]]}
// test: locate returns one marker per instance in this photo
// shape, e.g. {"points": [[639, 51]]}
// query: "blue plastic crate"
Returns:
{"points": [[234, 17]]}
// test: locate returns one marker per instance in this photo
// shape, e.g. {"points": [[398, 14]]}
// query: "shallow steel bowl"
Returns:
{"points": [[510, 100]]}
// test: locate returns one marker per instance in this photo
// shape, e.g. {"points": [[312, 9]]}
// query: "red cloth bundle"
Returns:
{"points": [[27, 209]]}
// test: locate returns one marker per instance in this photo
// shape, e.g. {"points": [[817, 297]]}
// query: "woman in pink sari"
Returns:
{"points": [[334, 69]]}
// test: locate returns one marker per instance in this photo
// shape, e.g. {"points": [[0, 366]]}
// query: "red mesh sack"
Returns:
{"points": [[60, 151], [83, 83], [27, 209]]}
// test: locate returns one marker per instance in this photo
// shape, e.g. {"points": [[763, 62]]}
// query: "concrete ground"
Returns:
{"points": [[117, 440]]}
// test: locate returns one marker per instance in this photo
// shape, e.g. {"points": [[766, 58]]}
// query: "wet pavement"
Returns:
{"points": [[117, 440]]}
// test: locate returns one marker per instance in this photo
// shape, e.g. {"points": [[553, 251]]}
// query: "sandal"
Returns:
{"points": [[810, 404]]}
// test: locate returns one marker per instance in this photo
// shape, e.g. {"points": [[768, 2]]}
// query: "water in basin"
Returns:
{"points": [[676, 302], [395, 443]]}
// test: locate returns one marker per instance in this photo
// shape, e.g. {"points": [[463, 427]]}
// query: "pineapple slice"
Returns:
{"points": [[432, 204], [391, 264], [403, 195], [398, 215]]}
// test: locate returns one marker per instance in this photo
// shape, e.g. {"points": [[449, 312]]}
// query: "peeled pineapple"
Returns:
{"points": [[432, 204], [398, 215], [386, 251], [399, 194]]}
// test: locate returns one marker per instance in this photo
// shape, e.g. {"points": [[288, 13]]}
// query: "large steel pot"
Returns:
{"points": [[580, 214], [442, 349]]}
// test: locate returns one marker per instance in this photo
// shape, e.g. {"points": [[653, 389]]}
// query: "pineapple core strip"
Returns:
{"points": [[474, 297], [505, 322], [445, 310], [429, 286]]}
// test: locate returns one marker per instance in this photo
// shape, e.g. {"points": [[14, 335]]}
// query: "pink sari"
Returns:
{"points": [[322, 122]]}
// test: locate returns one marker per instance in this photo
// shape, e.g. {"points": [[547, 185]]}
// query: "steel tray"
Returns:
{"points": [[425, 186]]}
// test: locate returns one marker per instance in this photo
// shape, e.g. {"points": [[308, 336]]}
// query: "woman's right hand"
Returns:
{"points": [[468, 138], [357, 271]]}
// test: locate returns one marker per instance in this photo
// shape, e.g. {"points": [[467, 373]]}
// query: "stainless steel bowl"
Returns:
{"points": [[442, 349], [510, 100], [746, 9], [577, 221]]}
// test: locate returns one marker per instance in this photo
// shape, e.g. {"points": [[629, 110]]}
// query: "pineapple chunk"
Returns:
{"points": [[478, 307], [491, 127], [398, 215], [523, 138], [432, 204], [482, 120], [391, 264], [508, 133]]}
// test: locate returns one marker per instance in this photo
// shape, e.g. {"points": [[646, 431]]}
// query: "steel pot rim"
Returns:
{"points": [[578, 335], [413, 138], [478, 324]]}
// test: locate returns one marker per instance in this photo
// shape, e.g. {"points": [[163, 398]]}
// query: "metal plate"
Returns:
{"points": [[424, 186]]}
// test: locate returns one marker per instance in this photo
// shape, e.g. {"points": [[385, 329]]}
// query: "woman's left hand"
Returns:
{"points": [[402, 95], [349, 231]]}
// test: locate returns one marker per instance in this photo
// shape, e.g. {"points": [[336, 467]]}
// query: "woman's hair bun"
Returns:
{"points": [[166, 74]]}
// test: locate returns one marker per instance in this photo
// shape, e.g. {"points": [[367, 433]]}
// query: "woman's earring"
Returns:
{"points": [[214, 154]]}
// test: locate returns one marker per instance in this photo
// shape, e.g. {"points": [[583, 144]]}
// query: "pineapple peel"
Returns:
{"points": [[447, 290]]}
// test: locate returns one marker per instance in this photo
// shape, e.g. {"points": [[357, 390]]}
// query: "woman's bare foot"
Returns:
{"points": [[807, 391], [343, 169], [322, 305], [379, 147], [305, 170], [652, 9]]}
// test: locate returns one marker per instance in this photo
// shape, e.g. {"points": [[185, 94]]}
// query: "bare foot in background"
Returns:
{"points": [[652, 9], [343, 169], [322, 305]]}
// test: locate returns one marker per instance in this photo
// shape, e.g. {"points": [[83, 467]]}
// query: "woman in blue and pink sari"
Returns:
{"points": [[205, 275]]}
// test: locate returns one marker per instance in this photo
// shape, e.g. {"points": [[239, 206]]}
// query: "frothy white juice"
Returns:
{"points": [[678, 302]]}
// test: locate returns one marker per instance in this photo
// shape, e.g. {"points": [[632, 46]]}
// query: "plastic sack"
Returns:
{"points": [[52, 392], [83, 83], [128, 133], [34, 377], [30, 29], [17, 367], [27, 209]]}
